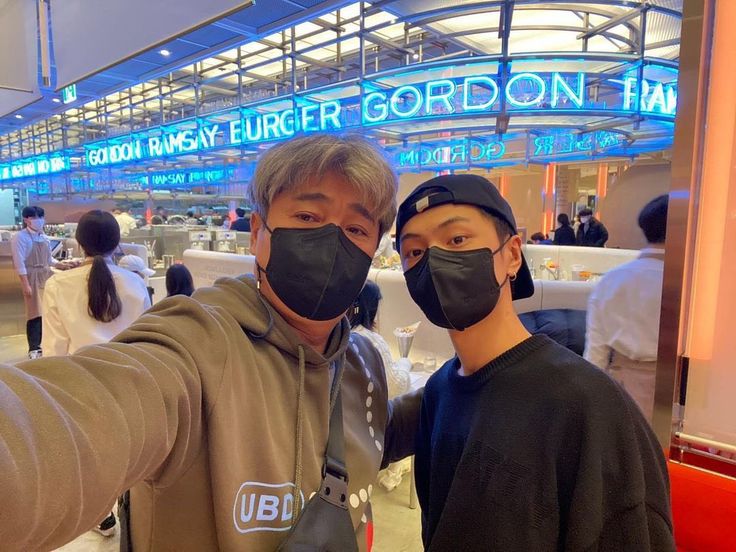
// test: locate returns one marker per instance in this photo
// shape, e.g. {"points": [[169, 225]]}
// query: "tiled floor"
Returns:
{"points": [[397, 527]]}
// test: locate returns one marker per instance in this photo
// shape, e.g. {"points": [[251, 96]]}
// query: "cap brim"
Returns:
{"points": [[523, 286], [148, 272]]}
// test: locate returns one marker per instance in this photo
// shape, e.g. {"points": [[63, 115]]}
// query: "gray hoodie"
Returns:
{"points": [[215, 429]]}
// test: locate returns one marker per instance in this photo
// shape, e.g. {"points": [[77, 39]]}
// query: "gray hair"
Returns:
{"points": [[292, 163]]}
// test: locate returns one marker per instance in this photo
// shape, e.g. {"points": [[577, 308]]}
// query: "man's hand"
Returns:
{"points": [[27, 291]]}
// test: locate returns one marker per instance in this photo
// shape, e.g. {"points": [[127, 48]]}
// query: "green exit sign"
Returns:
{"points": [[69, 94]]}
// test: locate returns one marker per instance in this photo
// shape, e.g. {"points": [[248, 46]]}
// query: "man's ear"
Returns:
{"points": [[514, 249], [256, 226]]}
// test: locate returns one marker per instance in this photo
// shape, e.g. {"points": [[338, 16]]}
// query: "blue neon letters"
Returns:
{"points": [[35, 166], [473, 96]]}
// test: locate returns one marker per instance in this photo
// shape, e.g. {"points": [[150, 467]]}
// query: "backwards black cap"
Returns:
{"points": [[467, 189]]}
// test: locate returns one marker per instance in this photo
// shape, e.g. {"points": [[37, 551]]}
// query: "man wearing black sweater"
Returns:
{"points": [[523, 445]]}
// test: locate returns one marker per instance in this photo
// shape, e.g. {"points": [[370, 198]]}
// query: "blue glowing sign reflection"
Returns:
{"points": [[479, 152]]}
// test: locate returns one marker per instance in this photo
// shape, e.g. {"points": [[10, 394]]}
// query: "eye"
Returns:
{"points": [[357, 231], [415, 253], [306, 217], [458, 240]]}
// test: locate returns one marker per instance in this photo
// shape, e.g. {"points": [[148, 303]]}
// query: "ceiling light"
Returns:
{"points": [[165, 53], [56, 100], [415, 56], [18, 116]]}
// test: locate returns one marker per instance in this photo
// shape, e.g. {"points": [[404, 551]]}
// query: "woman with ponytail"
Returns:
{"points": [[95, 302]]}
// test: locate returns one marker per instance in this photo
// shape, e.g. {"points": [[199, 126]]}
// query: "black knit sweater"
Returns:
{"points": [[538, 451]]}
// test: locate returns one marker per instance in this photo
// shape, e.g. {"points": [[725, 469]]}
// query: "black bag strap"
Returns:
{"points": [[334, 488]]}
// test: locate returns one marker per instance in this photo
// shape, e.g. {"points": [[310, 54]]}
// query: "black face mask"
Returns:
{"points": [[316, 272], [455, 289]]}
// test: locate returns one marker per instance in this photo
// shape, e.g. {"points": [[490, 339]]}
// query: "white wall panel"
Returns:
{"points": [[92, 35], [18, 55]]}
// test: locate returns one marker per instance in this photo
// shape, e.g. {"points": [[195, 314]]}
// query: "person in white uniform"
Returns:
{"points": [[125, 221], [32, 260], [623, 313], [93, 303]]}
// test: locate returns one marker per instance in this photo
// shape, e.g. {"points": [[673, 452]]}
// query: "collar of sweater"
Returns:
{"points": [[513, 356]]}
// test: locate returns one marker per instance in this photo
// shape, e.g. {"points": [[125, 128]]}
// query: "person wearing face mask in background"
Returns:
{"points": [[591, 232], [247, 417], [557, 454], [32, 260]]}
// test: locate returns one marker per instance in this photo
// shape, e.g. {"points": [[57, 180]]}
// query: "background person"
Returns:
{"points": [[564, 235], [624, 309], [163, 214], [124, 220], [32, 260], [363, 322], [135, 264], [93, 303], [240, 224], [540, 239], [191, 219], [179, 281], [591, 232], [96, 301]]}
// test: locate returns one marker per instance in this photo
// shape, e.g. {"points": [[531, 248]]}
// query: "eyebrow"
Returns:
{"points": [[410, 237], [448, 222], [453, 220], [314, 196], [322, 198], [361, 210]]}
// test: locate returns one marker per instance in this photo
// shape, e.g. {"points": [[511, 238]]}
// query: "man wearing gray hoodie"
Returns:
{"points": [[220, 403]]}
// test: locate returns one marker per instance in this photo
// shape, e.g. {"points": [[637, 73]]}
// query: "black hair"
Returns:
{"points": [[179, 281], [190, 214], [563, 219], [503, 228], [585, 212], [33, 211], [157, 219], [98, 235], [240, 212], [538, 236], [653, 219], [365, 306]]}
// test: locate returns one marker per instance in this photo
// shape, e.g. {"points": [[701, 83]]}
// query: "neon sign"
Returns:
{"points": [[168, 143], [479, 95], [258, 127], [185, 178], [541, 92], [248, 128], [35, 166]]}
